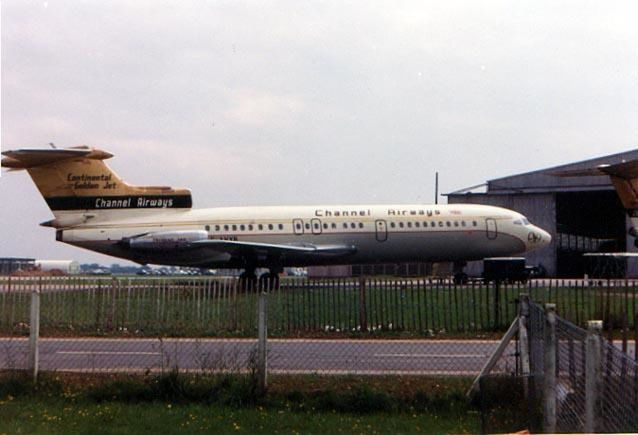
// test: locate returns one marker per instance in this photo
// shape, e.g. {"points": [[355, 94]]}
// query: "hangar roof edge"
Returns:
{"points": [[542, 180]]}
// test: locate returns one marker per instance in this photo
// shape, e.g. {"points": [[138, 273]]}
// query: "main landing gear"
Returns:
{"points": [[267, 281]]}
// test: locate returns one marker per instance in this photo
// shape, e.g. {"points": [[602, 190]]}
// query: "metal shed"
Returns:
{"points": [[583, 214]]}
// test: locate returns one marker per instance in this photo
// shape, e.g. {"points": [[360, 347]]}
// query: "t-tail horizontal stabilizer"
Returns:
{"points": [[78, 185]]}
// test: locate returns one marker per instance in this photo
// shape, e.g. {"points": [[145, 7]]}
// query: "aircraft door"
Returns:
{"points": [[381, 227], [316, 226], [491, 230], [297, 225]]}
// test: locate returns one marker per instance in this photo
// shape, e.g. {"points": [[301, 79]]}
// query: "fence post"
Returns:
{"points": [[592, 372], [262, 332], [34, 331], [497, 304], [549, 370], [523, 341], [363, 315]]}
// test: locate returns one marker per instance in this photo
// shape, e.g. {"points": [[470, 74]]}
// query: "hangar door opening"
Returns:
{"points": [[587, 222]]}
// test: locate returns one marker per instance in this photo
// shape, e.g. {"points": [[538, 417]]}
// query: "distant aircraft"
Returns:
{"points": [[95, 209]]}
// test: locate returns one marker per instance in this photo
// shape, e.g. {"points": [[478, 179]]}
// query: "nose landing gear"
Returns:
{"points": [[267, 281]]}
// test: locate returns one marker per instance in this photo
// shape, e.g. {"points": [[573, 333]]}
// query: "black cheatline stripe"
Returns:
{"points": [[119, 202]]}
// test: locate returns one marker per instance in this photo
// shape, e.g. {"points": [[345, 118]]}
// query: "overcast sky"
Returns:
{"points": [[292, 102]]}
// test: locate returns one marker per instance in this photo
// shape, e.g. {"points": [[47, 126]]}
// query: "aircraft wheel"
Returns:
{"points": [[247, 281], [269, 281]]}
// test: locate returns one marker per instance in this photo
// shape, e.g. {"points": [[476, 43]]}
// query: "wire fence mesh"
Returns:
{"points": [[322, 327], [615, 396], [338, 326]]}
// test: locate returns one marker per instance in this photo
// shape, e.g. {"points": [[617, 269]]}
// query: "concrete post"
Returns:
{"points": [[549, 370], [592, 372], [34, 331], [262, 354]]}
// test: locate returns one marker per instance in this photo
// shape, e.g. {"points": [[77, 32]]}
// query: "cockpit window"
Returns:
{"points": [[525, 221], [518, 222]]}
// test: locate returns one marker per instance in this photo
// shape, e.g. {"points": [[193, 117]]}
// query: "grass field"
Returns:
{"points": [[335, 307], [310, 404], [50, 416]]}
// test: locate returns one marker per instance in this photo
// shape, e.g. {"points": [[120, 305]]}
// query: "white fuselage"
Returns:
{"points": [[380, 233]]}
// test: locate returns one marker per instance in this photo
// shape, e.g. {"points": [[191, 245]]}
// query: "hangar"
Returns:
{"points": [[583, 215]]}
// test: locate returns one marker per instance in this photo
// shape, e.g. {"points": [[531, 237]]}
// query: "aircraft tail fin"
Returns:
{"points": [[77, 181]]}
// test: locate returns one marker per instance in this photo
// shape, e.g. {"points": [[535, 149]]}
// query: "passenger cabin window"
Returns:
{"points": [[325, 226], [432, 224], [260, 227], [400, 224], [250, 227], [307, 226], [360, 224], [242, 227], [345, 225], [474, 223], [216, 227], [417, 224], [207, 227], [298, 226], [392, 225], [281, 226], [353, 225], [333, 226], [270, 227], [225, 227], [462, 223], [456, 223]]}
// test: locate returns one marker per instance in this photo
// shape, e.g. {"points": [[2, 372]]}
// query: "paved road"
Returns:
{"points": [[422, 357]]}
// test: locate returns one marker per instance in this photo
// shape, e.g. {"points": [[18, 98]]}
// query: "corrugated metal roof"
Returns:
{"points": [[543, 180]]}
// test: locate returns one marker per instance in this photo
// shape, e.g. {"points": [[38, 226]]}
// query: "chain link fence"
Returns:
{"points": [[594, 385], [359, 327]]}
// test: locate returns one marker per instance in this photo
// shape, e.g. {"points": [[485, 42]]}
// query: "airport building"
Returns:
{"points": [[583, 215], [9, 265]]}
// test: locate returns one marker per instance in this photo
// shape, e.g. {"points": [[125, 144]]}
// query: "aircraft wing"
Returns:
{"points": [[201, 249], [611, 254], [234, 247]]}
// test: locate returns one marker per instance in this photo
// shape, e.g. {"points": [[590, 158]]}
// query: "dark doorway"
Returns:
{"points": [[587, 222]]}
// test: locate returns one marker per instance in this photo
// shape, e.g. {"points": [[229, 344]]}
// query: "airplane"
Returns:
{"points": [[95, 209]]}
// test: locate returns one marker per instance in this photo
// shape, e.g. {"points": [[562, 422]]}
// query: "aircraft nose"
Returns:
{"points": [[538, 238]]}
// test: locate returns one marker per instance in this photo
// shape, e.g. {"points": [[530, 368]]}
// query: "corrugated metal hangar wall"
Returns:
{"points": [[583, 215]]}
